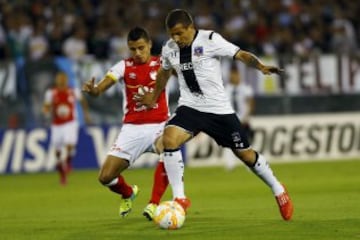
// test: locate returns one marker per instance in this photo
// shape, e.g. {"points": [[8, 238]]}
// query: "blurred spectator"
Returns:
{"points": [[56, 40], [242, 99], [99, 43], [2, 43], [344, 38], [268, 27], [75, 46], [38, 43], [118, 44], [18, 33]]}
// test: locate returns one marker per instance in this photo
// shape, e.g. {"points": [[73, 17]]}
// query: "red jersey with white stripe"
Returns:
{"points": [[62, 104], [135, 76]]}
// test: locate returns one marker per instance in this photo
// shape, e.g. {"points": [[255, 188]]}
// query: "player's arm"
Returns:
{"points": [[150, 98], [46, 108], [252, 61], [97, 89]]}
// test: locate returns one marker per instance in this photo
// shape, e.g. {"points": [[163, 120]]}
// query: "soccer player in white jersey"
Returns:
{"points": [[241, 96], [142, 128], [203, 104]]}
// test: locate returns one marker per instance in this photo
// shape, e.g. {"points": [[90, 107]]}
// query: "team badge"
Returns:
{"points": [[132, 75], [153, 63], [153, 75], [198, 51], [129, 64], [236, 136]]}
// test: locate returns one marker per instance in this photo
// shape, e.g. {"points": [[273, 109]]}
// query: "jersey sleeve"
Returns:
{"points": [[48, 97], [221, 47], [165, 63], [117, 71]]}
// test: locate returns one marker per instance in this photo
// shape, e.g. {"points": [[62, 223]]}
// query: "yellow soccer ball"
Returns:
{"points": [[169, 215]]}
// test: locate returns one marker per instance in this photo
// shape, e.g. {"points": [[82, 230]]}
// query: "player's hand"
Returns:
{"points": [[145, 97], [90, 88], [271, 69]]}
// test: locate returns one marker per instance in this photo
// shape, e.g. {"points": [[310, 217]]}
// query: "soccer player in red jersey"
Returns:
{"points": [[60, 103], [142, 128]]}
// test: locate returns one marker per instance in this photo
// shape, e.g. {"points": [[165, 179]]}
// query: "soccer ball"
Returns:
{"points": [[169, 215]]}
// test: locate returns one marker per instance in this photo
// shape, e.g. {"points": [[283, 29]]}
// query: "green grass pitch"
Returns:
{"points": [[225, 205]]}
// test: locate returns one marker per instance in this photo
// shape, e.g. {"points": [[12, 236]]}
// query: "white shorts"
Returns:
{"points": [[134, 139], [64, 134]]}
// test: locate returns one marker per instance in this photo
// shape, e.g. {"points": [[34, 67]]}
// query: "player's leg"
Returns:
{"points": [[228, 132], [160, 182], [57, 143], [181, 127], [61, 166], [110, 176], [261, 168], [71, 132], [70, 153], [174, 137], [132, 141]]}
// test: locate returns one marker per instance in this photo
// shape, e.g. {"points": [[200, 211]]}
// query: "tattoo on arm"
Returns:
{"points": [[252, 61], [249, 59]]}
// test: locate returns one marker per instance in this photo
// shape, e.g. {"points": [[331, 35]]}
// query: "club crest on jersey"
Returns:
{"points": [[198, 51], [153, 63], [153, 75], [132, 75]]}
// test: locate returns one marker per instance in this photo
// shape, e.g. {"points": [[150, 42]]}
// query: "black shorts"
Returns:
{"points": [[225, 129]]}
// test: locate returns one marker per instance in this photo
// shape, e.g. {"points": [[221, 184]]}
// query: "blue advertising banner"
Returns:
{"points": [[29, 150]]}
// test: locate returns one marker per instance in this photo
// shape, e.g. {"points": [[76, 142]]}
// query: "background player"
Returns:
{"points": [[241, 96], [60, 103], [142, 127], [203, 105]]}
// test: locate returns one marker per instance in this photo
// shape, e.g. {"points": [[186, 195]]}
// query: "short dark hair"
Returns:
{"points": [[136, 33], [178, 16]]}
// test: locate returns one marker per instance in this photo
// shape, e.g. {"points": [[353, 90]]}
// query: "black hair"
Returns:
{"points": [[136, 33], [178, 16]]}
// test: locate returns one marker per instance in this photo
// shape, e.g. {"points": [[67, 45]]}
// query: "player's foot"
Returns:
{"points": [[149, 211], [285, 205], [63, 179], [126, 203], [184, 202], [62, 173]]}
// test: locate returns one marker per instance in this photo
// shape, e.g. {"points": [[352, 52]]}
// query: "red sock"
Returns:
{"points": [[60, 168], [160, 183], [69, 164], [122, 188]]}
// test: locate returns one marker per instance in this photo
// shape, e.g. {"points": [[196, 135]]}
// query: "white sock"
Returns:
{"points": [[174, 166], [112, 182], [263, 170]]}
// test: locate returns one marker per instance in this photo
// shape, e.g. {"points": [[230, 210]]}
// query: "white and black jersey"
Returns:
{"points": [[199, 71]]}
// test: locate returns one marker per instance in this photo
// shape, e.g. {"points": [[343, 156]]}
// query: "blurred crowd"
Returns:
{"points": [[80, 29]]}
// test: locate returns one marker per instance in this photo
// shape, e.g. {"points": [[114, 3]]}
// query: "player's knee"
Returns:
{"points": [[247, 156], [170, 142], [105, 178]]}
